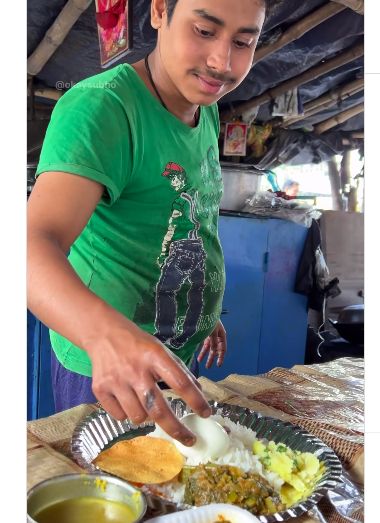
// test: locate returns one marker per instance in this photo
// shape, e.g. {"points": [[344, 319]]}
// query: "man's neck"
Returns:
{"points": [[174, 101]]}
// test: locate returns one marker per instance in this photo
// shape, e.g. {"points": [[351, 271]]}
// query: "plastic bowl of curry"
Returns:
{"points": [[213, 513], [85, 498]]}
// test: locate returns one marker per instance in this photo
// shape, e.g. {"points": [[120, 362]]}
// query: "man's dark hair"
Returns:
{"points": [[170, 5]]}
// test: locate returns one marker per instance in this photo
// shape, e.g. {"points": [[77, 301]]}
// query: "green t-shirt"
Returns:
{"points": [[151, 248]]}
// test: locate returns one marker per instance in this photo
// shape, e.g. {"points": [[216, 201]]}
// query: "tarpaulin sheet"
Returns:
{"points": [[78, 56]]}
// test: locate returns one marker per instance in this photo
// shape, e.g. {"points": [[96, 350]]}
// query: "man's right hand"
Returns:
{"points": [[127, 363]]}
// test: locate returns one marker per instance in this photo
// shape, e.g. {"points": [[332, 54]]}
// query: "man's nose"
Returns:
{"points": [[219, 58]]}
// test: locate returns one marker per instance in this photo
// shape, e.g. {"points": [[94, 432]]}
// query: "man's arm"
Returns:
{"points": [[126, 361]]}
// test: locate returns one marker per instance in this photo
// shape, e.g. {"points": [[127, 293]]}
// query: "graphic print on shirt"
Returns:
{"points": [[182, 261]]}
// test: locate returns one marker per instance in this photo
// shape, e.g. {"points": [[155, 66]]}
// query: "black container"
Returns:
{"points": [[350, 324]]}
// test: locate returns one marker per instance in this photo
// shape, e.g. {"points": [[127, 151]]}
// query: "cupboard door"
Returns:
{"points": [[40, 402], [284, 313], [45, 392], [33, 332], [244, 242]]}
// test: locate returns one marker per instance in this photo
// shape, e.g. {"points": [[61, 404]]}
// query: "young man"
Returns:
{"points": [[129, 182]]}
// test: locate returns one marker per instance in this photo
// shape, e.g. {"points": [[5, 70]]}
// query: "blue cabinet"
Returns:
{"points": [[40, 401], [32, 367], [265, 320]]}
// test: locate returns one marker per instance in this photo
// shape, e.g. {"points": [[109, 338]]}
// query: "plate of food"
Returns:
{"points": [[271, 468]]}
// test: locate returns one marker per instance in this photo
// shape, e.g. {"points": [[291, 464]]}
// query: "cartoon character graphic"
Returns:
{"points": [[182, 260]]}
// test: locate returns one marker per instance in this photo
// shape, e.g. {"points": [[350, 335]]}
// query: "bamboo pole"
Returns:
{"points": [[355, 5], [246, 108], [335, 183], [339, 93], [328, 104], [352, 142], [338, 118], [48, 92], [353, 203], [56, 34], [345, 173], [357, 135], [299, 29], [324, 102]]}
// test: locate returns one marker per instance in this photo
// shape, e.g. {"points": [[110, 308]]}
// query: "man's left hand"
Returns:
{"points": [[215, 346]]}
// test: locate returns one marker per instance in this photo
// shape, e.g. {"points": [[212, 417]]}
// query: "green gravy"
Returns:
{"points": [[86, 510]]}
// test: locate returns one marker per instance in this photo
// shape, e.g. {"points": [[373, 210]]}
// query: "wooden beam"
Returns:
{"points": [[56, 34], [245, 108], [47, 108], [355, 5], [338, 118], [324, 102], [299, 29]]}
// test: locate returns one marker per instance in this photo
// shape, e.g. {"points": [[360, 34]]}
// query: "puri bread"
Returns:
{"points": [[142, 460]]}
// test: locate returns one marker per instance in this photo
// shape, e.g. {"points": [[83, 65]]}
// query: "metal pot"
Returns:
{"points": [[69, 486], [350, 324], [240, 182]]}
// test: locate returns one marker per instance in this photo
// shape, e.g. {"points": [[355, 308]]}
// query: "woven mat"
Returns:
{"points": [[56, 431], [49, 438], [323, 399], [246, 385], [44, 462]]}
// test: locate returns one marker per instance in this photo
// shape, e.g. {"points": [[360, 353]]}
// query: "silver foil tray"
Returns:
{"points": [[98, 430]]}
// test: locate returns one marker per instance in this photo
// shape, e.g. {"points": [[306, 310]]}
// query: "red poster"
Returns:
{"points": [[113, 18], [235, 139]]}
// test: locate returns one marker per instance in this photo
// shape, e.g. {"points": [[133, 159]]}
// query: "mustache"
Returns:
{"points": [[216, 76]]}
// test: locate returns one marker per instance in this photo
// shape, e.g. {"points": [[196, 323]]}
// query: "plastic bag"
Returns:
{"points": [[266, 203], [321, 270]]}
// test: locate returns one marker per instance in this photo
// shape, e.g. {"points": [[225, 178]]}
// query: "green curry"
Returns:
{"points": [[86, 510]]}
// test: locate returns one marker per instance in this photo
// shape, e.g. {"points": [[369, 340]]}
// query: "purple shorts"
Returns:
{"points": [[71, 389]]}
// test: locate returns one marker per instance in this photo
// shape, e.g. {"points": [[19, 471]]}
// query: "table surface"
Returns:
{"points": [[326, 399]]}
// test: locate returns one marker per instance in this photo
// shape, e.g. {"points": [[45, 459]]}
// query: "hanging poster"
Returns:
{"points": [[113, 18], [235, 139]]}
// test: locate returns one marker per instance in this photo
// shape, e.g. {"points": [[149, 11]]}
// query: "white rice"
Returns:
{"points": [[239, 455]]}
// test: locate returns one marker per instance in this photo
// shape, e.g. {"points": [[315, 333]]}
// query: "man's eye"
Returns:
{"points": [[241, 45], [203, 32]]}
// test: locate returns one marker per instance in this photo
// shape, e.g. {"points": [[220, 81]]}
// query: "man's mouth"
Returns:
{"points": [[210, 85]]}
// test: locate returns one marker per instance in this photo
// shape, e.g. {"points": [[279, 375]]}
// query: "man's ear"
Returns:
{"points": [[157, 13]]}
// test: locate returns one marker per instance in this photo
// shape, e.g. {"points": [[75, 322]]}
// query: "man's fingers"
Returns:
{"points": [[210, 359], [197, 384], [222, 348], [184, 368], [160, 412], [218, 348], [131, 404], [220, 359], [183, 384], [111, 405], [222, 334], [204, 350]]}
